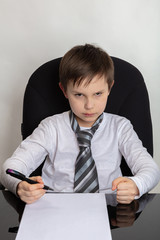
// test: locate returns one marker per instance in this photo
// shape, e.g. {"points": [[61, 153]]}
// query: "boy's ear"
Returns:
{"points": [[111, 86], [62, 88]]}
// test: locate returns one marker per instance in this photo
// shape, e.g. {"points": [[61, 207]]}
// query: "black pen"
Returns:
{"points": [[22, 177]]}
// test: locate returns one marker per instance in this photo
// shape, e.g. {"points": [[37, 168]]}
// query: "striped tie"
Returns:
{"points": [[86, 178]]}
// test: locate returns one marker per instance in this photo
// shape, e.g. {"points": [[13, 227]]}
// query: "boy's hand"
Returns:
{"points": [[126, 189], [29, 193]]}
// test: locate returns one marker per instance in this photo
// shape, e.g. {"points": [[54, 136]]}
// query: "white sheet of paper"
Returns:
{"points": [[66, 216]]}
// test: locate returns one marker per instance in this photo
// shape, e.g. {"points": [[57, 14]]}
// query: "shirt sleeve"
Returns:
{"points": [[145, 171], [30, 154]]}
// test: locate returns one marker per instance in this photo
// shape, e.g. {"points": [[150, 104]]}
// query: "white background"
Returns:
{"points": [[35, 31]]}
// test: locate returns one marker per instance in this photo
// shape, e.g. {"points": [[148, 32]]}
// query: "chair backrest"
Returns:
{"points": [[128, 98]]}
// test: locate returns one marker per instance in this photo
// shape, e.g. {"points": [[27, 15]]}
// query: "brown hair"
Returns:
{"points": [[85, 61]]}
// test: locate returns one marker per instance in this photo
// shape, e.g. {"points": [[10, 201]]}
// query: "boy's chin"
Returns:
{"points": [[87, 121]]}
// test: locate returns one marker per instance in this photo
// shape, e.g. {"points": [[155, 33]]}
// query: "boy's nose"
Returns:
{"points": [[89, 104]]}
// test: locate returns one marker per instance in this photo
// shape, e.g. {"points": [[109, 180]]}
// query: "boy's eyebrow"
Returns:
{"points": [[103, 90], [74, 91], [81, 92]]}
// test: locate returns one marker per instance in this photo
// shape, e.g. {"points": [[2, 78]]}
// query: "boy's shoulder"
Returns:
{"points": [[57, 118], [114, 117], [116, 120]]}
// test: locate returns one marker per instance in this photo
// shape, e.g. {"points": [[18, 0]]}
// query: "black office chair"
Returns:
{"points": [[128, 98]]}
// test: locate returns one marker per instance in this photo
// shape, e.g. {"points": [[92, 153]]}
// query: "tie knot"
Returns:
{"points": [[84, 138]]}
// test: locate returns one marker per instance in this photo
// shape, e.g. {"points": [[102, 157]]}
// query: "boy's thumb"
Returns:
{"points": [[37, 179], [116, 182]]}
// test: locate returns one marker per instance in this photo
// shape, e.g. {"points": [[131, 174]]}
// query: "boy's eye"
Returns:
{"points": [[78, 94], [98, 93]]}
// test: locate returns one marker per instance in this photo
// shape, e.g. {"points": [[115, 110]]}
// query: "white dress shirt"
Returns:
{"points": [[55, 139]]}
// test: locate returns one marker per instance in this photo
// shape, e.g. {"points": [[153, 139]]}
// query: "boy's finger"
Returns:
{"points": [[37, 179], [32, 187], [30, 198], [117, 181]]}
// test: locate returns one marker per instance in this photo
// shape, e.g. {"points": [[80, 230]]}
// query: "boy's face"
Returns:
{"points": [[87, 101]]}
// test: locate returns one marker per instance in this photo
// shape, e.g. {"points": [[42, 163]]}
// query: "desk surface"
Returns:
{"points": [[137, 221]]}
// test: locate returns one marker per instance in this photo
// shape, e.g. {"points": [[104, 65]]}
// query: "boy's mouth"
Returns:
{"points": [[89, 114]]}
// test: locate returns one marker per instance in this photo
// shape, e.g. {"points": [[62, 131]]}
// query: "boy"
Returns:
{"points": [[85, 145]]}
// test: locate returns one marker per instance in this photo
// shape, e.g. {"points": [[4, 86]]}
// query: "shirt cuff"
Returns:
{"points": [[139, 186]]}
